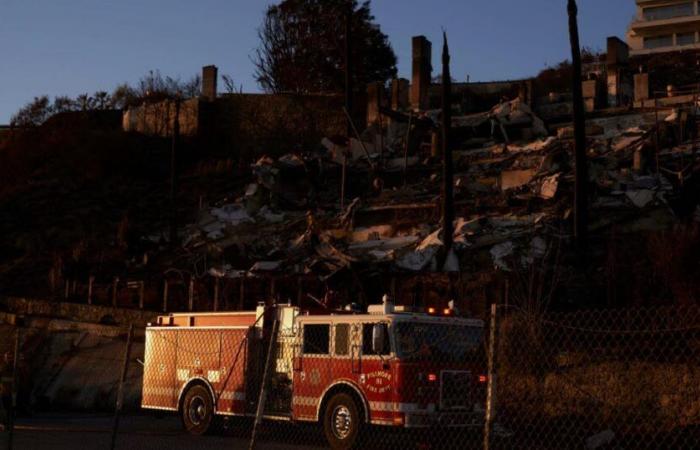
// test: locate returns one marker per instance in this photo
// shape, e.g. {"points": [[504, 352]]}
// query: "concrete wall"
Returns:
{"points": [[253, 124], [247, 124], [15, 306], [158, 119]]}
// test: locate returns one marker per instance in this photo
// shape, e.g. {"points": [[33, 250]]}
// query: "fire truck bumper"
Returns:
{"points": [[462, 419]]}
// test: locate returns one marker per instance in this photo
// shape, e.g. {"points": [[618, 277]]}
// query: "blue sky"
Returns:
{"points": [[68, 47]]}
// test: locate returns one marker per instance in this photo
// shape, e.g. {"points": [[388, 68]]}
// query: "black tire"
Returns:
{"points": [[197, 410], [342, 422]]}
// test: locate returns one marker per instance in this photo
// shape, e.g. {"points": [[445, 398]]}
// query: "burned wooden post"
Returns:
{"points": [[115, 285], [142, 289], [165, 295], [581, 174], [273, 287], [216, 294], [300, 292], [241, 295], [405, 149], [447, 165], [91, 282], [190, 295]]}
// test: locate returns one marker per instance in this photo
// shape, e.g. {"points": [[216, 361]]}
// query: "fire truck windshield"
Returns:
{"points": [[439, 342]]}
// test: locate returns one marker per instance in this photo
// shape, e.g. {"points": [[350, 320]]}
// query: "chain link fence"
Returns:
{"points": [[624, 379], [600, 379]]}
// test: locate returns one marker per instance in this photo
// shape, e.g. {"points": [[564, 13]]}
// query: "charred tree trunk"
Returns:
{"points": [[447, 165], [173, 173], [581, 190], [348, 66], [348, 97]]}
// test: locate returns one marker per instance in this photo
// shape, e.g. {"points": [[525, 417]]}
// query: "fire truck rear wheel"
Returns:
{"points": [[342, 422], [197, 410]]}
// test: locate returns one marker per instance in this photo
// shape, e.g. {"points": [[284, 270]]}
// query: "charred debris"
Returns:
{"points": [[501, 182]]}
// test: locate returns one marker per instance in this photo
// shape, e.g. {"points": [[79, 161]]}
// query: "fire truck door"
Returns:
{"points": [[376, 377], [313, 372], [345, 361]]}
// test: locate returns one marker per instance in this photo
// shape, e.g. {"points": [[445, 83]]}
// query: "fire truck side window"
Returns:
{"points": [[367, 340], [342, 339], [316, 339]]}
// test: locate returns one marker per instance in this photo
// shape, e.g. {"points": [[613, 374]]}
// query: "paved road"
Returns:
{"points": [[62, 432], [148, 432]]}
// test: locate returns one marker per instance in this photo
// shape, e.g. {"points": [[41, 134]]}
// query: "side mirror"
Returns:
{"points": [[378, 338]]}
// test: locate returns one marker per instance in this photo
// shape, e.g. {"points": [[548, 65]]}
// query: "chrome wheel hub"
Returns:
{"points": [[341, 422], [197, 410]]}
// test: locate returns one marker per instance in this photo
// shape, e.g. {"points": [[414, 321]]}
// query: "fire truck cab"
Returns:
{"points": [[346, 371]]}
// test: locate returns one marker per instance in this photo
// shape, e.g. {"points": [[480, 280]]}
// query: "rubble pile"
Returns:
{"points": [[360, 214], [511, 196]]}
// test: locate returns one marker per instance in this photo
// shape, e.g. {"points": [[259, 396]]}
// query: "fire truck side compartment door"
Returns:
{"points": [[159, 375]]}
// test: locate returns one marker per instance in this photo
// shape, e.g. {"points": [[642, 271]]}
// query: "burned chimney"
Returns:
{"points": [[399, 94], [422, 71], [209, 76]]}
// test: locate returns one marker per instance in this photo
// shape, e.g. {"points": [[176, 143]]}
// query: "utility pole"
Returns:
{"points": [[173, 173], [581, 174], [348, 96], [448, 212]]}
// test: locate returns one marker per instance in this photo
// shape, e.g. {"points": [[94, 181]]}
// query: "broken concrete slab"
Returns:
{"points": [[372, 233], [266, 266], [549, 187], [233, 214], [511, 179], [641, 197], [500, 252]]}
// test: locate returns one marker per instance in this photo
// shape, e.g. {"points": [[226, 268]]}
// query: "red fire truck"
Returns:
{"points": [[346, 371]]}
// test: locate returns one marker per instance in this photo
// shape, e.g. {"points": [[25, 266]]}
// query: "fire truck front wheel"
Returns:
{"points": [[342, 421], [197, 410]]}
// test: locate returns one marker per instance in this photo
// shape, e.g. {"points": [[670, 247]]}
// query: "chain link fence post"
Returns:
{"points": [[491, 386], [269, 361], [120, 391], [12, 412]]}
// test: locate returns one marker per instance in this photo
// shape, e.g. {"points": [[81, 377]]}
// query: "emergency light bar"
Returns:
{"points": [[389, 308]]}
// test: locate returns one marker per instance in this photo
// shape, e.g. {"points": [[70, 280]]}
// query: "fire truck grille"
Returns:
{"points": [[455, 390]]}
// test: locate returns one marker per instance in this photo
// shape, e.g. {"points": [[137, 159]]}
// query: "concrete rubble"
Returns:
{"points": [[513, 191]]}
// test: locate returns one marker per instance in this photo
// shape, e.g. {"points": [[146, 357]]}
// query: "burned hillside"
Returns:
{"points": [[272, 200]]}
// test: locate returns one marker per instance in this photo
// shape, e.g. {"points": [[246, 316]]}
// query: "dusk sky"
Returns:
{"points": [[69, 47]]}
